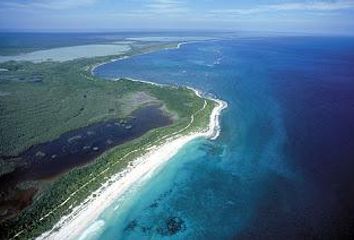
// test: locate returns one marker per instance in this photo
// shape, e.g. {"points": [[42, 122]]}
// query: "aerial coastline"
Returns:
{"points": [[176, 119], [139, 170], [141, 161], [174, 46], [143, 167]]}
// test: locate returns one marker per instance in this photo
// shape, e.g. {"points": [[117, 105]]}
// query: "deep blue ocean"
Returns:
{"points": [[283, 166]]}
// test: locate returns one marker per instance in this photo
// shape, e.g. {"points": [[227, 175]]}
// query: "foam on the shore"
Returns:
{"points": [[93, 230], [170, 38], [74, 224]]}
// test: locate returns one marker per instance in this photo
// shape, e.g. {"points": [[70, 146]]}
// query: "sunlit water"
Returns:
{"points": [[282, 166]]}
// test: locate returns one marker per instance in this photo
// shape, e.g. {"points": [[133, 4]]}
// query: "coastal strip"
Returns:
{"points": [[178, 46], [74, 192], [82, 216], [72, 225]]}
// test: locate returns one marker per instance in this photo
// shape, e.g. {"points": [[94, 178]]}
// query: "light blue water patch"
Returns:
{"points": [[135, 216], [93, 231]]}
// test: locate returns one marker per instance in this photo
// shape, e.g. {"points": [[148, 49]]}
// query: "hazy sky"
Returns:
{"points": [[335, 16]]}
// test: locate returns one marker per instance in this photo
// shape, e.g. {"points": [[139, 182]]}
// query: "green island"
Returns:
{"points": [[39, 102]]}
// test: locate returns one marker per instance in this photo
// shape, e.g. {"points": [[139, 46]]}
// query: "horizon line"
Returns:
{"points": [[163, 30]]}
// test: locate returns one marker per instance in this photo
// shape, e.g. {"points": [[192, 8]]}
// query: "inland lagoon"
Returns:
{"points": [[69, 53], [48, 160]]}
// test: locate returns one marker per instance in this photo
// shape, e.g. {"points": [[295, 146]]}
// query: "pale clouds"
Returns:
{"points": [[166, 7], [313, 6], [47, 4], [167, 14]]}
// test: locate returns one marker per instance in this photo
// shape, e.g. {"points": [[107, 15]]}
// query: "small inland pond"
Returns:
{"points": [[73, 149]]}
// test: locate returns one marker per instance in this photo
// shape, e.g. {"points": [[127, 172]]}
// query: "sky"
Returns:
{"points": [[311, 16]]}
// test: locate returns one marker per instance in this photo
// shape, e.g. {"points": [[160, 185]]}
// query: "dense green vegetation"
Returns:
{"points": [[39, 102], [36, 99]]}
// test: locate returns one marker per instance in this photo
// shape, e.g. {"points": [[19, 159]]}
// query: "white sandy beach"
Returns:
{"points": [[170, 38], [72, 225]]}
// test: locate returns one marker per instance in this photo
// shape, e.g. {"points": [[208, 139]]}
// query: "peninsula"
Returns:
{"points": [[79, 141]]}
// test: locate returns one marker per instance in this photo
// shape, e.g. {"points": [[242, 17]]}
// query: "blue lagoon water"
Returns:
{"points": [[283, 165]]}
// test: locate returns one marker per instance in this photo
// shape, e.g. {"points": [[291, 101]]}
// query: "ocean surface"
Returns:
{"points": [[283, 165]]}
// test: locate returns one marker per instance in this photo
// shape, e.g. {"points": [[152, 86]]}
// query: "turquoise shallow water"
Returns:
{"points": [[281, 168]]}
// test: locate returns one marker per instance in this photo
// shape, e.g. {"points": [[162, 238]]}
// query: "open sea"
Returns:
{"points": [[283, 166]]}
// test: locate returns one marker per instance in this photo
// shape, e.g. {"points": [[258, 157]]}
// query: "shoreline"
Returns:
{"points": [[71, 226], [178, 46], [75, 223]]}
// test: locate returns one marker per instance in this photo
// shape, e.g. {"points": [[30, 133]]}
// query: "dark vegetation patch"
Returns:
{"points": [[167, 227], [74, 149], [172, 226]]}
